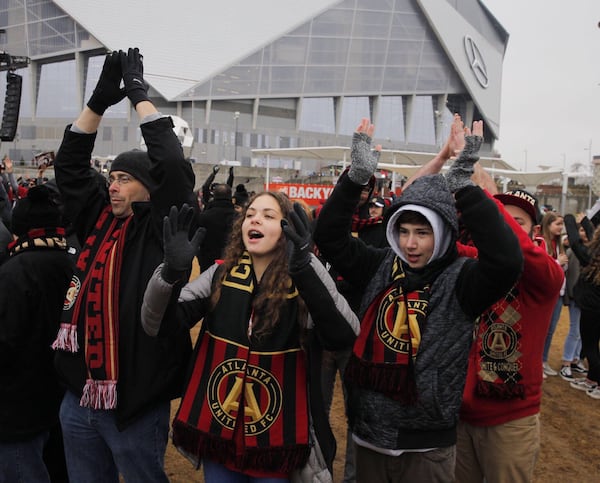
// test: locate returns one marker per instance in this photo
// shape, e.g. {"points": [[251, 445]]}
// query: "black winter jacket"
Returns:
{"points": [[150, 369]]}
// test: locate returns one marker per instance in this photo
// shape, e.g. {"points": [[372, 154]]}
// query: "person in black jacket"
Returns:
{"points": [[110, 367], [217, 218], [33, 282]]}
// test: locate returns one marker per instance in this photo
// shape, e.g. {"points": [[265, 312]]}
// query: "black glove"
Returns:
{"points": [[215, 169], [231, 171], [107, 92], [459, 174], [179, 249], [133, 76], [364, 159], [299, 239]]}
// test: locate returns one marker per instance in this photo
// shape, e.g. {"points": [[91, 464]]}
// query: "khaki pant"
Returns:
{"points": [[505, 453], [435, 466]]}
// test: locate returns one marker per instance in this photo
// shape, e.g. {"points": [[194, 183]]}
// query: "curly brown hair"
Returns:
{"points": [[275, 283], [591, 272]]}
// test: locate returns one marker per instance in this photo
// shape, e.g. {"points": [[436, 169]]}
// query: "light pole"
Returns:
{"points": [[591, 168], [525, 151], [236, 117]]}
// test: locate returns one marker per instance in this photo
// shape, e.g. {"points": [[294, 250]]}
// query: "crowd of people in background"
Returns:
{"points": [[436, 307]]}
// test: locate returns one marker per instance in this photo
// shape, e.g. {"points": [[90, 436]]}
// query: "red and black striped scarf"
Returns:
{"points": [[382, 359], [246, 403], [92, 307]]}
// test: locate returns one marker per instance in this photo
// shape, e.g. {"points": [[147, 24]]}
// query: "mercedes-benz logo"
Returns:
{"points": [[476, 62]]}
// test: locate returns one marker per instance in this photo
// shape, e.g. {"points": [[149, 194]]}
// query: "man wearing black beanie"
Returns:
{"points": [[109, 366]]}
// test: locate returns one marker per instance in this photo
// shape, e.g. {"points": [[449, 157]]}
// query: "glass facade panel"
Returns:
{"points": [[367, 51], [422, 131], [279, 80], [58, 91], [325, 79], [328, 51], [333, 23], [371, 25], [353, 110], [289, 51], [318, 115], [390, 120]]}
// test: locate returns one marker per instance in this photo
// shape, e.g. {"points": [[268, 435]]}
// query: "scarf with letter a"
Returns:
{"points": [[382, 359], [92, 308], [244, 406]]}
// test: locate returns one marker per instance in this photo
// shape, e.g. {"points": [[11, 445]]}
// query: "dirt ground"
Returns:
{"points": [[570, 431]]}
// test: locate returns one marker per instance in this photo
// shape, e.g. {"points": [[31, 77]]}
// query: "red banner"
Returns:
{"points": [[312, 194]]}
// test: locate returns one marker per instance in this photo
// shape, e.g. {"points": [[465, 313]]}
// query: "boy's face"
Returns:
{"points": [[417, 243], [521, 217]]}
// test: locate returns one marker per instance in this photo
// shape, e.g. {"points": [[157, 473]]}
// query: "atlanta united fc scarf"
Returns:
{"points": [[91, 308], [246, 403], [382, 359]]}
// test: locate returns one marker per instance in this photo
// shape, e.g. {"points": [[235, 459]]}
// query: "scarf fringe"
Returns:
{"points": [[66, 339], [500, 391], [280, 459], [394, 380], [99, 394]]}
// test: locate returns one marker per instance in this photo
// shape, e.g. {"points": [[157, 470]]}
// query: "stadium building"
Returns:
{"points": [[261, 74]]}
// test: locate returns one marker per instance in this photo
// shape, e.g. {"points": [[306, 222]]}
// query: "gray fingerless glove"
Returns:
{"points": [[364, 159], [459, 174]]}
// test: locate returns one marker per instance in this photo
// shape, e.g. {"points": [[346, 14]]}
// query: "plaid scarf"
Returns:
{"points": [[382, 359], [92, 307], [246, 402], [498, 346], [39, 238], [359, 224]]}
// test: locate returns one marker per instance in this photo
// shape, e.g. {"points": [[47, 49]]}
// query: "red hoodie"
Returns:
{"points": [[504, 378]]}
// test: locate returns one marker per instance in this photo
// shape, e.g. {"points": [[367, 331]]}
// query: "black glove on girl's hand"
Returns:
{"points": [[299, 239], [108, 91], [459, 174], [364, 159], [133, 76], [179, 249]]}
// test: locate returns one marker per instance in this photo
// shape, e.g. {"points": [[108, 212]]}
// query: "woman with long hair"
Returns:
{"points": [[587, 296], [552, 227], [252, 408]]}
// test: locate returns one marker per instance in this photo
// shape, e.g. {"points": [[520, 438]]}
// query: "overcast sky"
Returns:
{"points": [[550, 108]]}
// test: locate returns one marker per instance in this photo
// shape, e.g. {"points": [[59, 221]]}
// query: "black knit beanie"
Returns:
{"points": [[136, 163], [37, 210]]}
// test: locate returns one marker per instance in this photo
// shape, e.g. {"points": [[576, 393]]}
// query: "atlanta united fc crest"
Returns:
{"points": [[262, 395]]}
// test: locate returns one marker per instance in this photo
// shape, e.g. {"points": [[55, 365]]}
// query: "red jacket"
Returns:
{"points": [[504, 378]]}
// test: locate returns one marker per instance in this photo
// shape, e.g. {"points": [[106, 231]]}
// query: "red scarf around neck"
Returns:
{"points": [[92, 307]]}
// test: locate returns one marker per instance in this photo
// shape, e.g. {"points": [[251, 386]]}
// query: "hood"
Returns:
{"points": [[432, 193]]}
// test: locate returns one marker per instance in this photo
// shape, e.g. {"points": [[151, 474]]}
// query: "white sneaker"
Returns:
{"points": [[548, 370], [583, 385], [565, 373], [594, 393]]}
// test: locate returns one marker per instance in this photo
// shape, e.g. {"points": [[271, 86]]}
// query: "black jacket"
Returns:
{"points": [[33, 283], [150, 369], [217, 218]]}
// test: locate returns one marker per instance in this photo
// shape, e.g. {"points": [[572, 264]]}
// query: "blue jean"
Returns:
{"points": [[217, 473], [96, 451], [572, 346], [553, 323], [22, 462]]}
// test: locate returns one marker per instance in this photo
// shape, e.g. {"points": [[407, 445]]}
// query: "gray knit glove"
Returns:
{"points": [[364, 159], [459, 174]]}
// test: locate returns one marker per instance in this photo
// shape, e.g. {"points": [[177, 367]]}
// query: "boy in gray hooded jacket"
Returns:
{"points": [[420, 301]]}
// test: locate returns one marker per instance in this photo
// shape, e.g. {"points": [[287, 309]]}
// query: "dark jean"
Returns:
{"points": [[22, 462], [96, 451]]}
